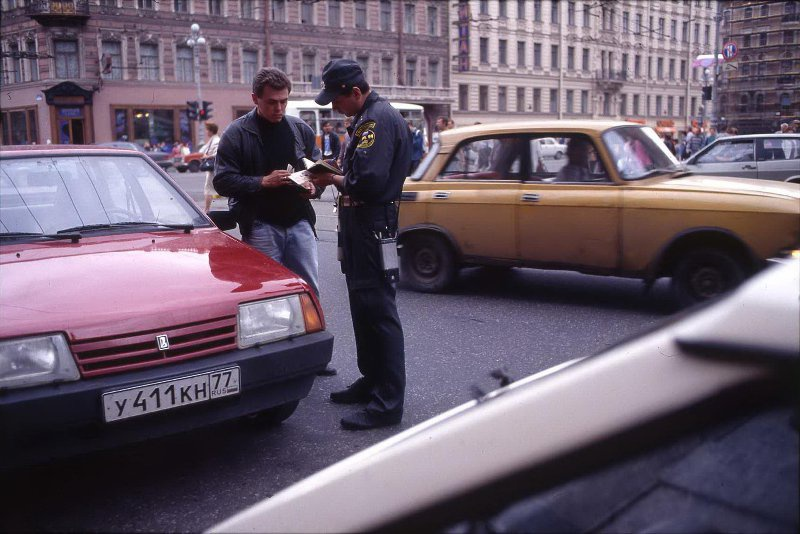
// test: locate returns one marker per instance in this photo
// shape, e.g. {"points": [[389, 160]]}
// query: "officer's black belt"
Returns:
{"points": [[347, 202]]}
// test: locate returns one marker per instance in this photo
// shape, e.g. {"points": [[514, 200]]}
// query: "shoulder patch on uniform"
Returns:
{"points": [[365, 134]]}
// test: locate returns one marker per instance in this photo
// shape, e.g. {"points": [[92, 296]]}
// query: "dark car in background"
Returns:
{"points": [[765, 156], [162, 159], [126, 314]]}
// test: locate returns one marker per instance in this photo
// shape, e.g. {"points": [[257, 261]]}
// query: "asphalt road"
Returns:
{"points": [[523, 320]]}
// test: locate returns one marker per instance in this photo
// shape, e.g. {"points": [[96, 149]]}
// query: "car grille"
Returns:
{"points": [[110, 355]]}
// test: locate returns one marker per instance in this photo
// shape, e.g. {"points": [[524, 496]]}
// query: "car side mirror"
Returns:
{"points": [[224, 219]]}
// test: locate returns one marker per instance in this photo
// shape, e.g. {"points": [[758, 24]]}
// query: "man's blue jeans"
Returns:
{"points": [[294, 247]]}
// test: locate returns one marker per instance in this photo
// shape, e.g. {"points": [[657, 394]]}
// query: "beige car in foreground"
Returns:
{"points": [[617, 204], [691, 427]]}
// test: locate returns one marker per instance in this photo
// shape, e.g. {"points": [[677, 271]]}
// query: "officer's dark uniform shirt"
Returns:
{"points": [[378, 157]]}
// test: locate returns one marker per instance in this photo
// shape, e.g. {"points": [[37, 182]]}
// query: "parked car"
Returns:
{"points": [[162, 159], [766, 157], [691, 427], [126, 314], [551, 148], [619, 204]]}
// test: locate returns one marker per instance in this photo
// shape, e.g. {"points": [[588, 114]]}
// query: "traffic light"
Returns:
{"points": [[205, 112], [707, 93], [192, 112]]}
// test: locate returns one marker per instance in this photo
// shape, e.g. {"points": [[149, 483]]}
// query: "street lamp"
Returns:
{"points": [[195, 39]]}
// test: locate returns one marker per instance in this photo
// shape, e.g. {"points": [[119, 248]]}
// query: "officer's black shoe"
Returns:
{"points": [[356, 393], [365, 420], [328, 371]]}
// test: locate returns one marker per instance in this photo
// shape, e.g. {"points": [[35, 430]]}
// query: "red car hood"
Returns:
{"points": [[112, 285]]}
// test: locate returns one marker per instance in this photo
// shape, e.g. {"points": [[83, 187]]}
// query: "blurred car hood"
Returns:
{"points": [[132, 282], [742, 186], [546, 416]]}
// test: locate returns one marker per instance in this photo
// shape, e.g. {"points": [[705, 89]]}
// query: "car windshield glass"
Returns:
{"points": [[638, 152], [419, 172], [51, 194]]}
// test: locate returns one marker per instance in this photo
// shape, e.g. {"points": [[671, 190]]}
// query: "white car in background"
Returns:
{"points": [[691, 427], [549, 147]]}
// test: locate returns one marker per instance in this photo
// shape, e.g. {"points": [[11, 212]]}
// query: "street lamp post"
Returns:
{"points": [[195, 40]]}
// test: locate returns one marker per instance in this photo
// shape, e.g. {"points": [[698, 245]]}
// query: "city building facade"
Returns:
{"points": [[85, 71], [573, 59], [759, 88]]}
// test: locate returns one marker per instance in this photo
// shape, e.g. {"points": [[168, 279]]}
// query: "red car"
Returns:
{"points": [[126, 314]]}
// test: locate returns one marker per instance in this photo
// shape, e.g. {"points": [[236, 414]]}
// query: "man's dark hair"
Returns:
{"points": [[326, 123], [272, 77]]}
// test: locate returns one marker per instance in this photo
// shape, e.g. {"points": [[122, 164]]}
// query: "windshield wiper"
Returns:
{"points": [[74, 236], [185, 227]]}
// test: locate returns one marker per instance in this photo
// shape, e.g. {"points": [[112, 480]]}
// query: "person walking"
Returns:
{"points": [[417, 146], [343, 148], [275, 216], [209, 150], [376, 163], [330, 141]]}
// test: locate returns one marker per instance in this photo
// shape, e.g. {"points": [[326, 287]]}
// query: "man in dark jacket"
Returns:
{"points": [[274, 214], [376, 163], [330, 141]]}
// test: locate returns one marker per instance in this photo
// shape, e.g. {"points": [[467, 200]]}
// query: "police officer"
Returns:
{"points": [[376, 162]]}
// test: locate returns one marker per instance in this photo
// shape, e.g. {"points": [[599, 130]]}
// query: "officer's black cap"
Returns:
{"points": [[339, 76]]}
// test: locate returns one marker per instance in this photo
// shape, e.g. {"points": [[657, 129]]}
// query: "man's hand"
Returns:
{"points": [[275, 179], [310, 189], [324, 179]]}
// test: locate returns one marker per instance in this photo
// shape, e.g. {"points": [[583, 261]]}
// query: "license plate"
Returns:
{"points": [[160, 396]]}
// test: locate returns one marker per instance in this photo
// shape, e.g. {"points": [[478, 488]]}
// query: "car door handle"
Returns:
{"points": [[749, 167], [530, 197], [441, 194]]}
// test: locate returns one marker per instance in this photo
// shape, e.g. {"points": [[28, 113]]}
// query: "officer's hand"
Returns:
{"points": [[275, 179], [324, 179]]}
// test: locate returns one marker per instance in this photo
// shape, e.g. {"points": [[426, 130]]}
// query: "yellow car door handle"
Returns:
{"points": [[441, 195], [530, 197]]}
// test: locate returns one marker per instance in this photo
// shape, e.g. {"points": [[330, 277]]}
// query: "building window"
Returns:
{"points": [[434, 78], [670, 106], [483, 98], [484, 50], [554, 17], [647, 106], [537, 100], [386, 15], [746, 41], [571, 57], [219, 65], [626, 22], [762, 39], [661, 28], [66, 53], [502, 9], [463, 97], [520, 53], [411, 72], [363, 62], [520, 99], [570, 103], [671, 69], [537, 10], [659, 100], [584, 102], [554, 58], [637, 65], [585, 59], [501, 98], [502, 49], [410, 18], [145, 4], [765, 10], [685, 32], [361, 14], [637, 25], [112, 55], [181, 6], [623, 105], [279, 10], [309, 67], [307, 13], [33, 61], [16, 64], [215, 7], [246, 9], [587, 15], [537, 55], [683, 69], [184, 64], [334, 14], [249, 65], [571, 13], [696, 36], [521, 9], [433, 20], [280, 61], [484, 7], [553, 100], [788, 37], [19, 127], [681, 105], [635, 105], [387, 71]]}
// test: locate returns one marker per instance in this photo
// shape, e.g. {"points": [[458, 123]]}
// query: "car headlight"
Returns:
{"points": [[36, 360], [270, 320]]}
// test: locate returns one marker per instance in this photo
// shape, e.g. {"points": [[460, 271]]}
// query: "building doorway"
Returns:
{"points": [[71, 125]]}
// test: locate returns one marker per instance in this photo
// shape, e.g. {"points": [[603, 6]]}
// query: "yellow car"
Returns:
{"points": [[618, 203]]}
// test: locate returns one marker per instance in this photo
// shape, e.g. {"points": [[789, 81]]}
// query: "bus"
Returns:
{"points": [[315, 115]]}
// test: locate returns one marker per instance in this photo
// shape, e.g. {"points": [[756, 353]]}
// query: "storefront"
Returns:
{"points": [[71, 118], [151, 126], [19, 126]]}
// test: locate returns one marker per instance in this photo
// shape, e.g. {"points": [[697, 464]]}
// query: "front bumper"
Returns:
{"points": [[56, 420]]}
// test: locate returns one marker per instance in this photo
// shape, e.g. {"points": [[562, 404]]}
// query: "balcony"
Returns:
{"points": [[610, 80], [58, 12]]}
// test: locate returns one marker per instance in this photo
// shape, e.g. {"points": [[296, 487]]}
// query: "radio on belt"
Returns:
{"points": [[388, 250]]}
